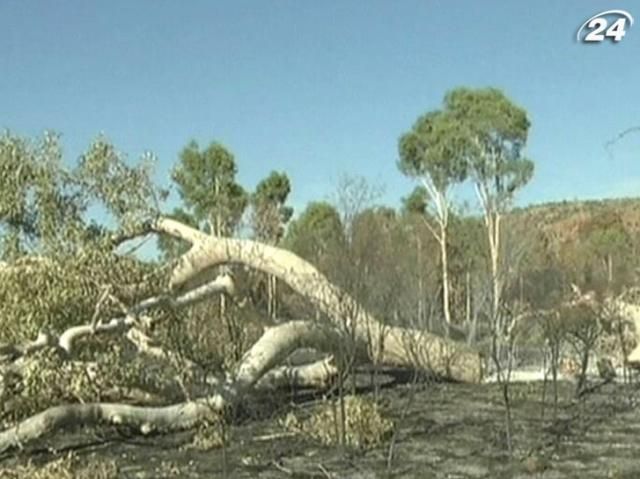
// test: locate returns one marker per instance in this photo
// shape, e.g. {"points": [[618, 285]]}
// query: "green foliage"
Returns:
{"points": [[49, 379], [44, 206], [40, 203], [128, 193], [270, 215], [54, 293], [434, 149], [61, 262], [491, 132], [417, 201], [206, 182], [479, 133], [316, 233]]}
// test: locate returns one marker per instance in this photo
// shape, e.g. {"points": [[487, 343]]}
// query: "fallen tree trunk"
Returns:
{"points": [[258, 363], [145, 419], [351, 334], [316, 375], [383, 344]]}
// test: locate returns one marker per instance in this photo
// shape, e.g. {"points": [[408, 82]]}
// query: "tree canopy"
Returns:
{"points": [[206, 182], [270, 214]]}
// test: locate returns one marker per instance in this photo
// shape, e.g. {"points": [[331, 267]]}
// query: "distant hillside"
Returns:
{"points": [[565, 218]]}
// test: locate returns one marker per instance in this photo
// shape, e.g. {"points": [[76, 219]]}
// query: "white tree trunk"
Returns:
{"points": [[383, 344], [352, 333], [145, 419], [258, 363]]}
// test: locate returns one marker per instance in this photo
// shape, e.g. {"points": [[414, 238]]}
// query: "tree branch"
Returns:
{"points": [[393, 345]]}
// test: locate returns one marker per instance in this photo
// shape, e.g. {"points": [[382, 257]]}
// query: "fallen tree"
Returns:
{"points": [[349, 333], [379, 342]]}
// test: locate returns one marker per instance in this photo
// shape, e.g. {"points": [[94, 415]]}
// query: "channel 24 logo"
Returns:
{"points": [[609, 25]]}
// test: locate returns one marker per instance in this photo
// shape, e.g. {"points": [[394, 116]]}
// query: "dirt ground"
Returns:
{"points": [[442, 430]]}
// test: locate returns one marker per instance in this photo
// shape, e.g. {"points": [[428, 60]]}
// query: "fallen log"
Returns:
{"points": [[383, 344], [351, 334]]}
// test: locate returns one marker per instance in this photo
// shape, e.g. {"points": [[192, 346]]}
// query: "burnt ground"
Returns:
{"points": [[442, 430]]}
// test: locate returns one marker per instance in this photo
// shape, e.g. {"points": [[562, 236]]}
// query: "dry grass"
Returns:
{"points": [[67, 467], [364, 424]]}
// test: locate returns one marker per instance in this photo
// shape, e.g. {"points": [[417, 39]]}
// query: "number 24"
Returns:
{"points": [[598, 25]]}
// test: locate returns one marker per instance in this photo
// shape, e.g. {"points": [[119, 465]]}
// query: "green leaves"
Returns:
{"points": [[316, 232], [45, 292], [60, 260], [206, 182], [489, 114], [127, 192], [416, 202], [40, 205], [478, 134], [494, 134], [270, 214], [435, 148], [43, 205], [17, 170]]}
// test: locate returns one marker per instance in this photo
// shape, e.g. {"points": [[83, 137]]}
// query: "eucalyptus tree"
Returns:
{"points": [[207, 184], [317, 234], [608, 241], [88, 296], [478, 134], [270, 214], [269, 218], [46, 207], [60, 259], [493, 133], [430, 151], [41, 205]]}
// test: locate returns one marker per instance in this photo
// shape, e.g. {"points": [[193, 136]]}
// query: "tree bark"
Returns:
{"points": [[383, 344], [258, 363], [445, 276], [145, 419], [351, 333]]}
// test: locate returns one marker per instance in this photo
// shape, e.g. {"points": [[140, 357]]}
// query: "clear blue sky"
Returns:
{"points": [[320, 89]]}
